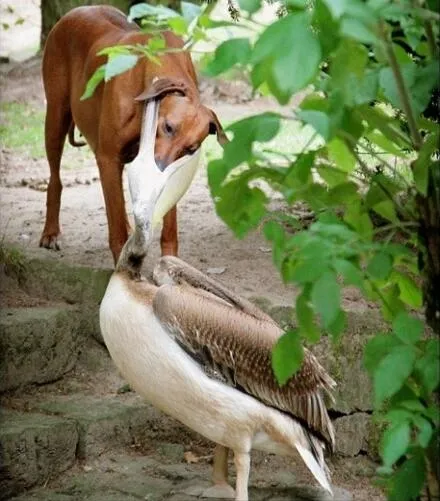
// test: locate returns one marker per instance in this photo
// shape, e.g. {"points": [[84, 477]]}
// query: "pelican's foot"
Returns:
{"points": [[219, 491]]}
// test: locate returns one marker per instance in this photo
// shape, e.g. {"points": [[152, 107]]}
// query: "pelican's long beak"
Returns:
{"points": [[154, 192]]}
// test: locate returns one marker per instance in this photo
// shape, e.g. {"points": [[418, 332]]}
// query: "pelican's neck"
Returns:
{"points": [[134, 252], [141, 181]]}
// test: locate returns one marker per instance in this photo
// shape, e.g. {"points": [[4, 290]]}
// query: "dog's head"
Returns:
{"points": [[183, 121]]}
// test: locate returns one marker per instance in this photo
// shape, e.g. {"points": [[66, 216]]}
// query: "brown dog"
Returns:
{"points": [[110, 120]]}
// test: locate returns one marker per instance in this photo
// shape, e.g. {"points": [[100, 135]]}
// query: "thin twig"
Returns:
{"points": [[401, 88], [366, 171], [433, 49]]}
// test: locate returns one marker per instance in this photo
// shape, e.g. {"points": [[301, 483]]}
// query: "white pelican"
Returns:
{"points": [[200, 353]]}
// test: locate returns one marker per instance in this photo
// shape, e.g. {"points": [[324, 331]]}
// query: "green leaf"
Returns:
{"points": [[217, 172], [384, 143], [395, 442], [250, 6], [337, 7], [228, 54], [261, 128], [241, 207], [336, 328], [344, 193], [380, 266], [409, 478], [427, 366], [351, 273], [407, 327], [144, 10], [355, 29], [319, 120], [300, 171], [93, 82], [304, 314], [422, 164], [274, 232], [410, 292], [347, 69], [392, 372], [419, 80], [425, 430], [178, 25], [287, 356], [391, 303], [341, 155], [389, 126], [387, 210], [287, 70], [377, 349], [119, 64], [326, 298], [190, 11], [357, 217], [331, 175]]}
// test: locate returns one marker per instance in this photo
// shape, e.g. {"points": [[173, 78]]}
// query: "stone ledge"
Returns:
{"points": [[38, 345], [34, 449], [105, 423]]}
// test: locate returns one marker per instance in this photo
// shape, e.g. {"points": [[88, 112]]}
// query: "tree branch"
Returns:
{"points": [[401, 89]]}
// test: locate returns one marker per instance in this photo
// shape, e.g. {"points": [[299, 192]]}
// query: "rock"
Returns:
{"points": [[104, 423], [173, 452], [344, 361], [352, 433], [306, 493], [65, 282], [38, 345], [216, 271], [117, 422], [34, 448]]}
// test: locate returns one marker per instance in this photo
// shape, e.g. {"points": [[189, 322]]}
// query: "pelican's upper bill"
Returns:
{"points": [[148, 185]]}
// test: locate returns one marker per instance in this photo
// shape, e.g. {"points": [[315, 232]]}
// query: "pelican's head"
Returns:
{"points": [[153, 191]]}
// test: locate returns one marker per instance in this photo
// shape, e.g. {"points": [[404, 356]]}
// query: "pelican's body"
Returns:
{"points": [[200, 353], [160, 370]]}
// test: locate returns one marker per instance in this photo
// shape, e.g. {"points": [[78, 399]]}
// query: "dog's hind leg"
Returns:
{"points": [[58, 120]]}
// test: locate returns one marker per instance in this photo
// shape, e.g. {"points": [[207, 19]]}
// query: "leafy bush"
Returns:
{"points": [[370, 70]]}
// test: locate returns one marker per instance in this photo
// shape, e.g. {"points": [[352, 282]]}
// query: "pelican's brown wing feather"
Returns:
{"points": [[172, 270], [238, 345]]}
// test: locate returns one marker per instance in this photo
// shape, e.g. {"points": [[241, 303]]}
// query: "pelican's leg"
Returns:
{"points": [[221, 489], [242, 465]]}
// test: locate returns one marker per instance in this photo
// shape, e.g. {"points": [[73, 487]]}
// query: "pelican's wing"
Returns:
{"points": [[232, 343], [172, 270]]}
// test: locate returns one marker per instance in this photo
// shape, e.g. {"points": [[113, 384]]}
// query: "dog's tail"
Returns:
{"points": [[72, 140]]}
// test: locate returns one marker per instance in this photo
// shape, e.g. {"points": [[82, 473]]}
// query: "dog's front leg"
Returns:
{"points": [[111, 181], [168, 239]]}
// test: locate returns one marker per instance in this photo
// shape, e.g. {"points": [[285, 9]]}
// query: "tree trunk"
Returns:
{"points": [[53, 10]]}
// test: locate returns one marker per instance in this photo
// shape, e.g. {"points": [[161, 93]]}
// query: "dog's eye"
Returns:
{"points": [[168, 128]]}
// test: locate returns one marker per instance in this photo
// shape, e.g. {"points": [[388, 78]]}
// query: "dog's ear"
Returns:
{"points": [[215, 127], [160, 87]]}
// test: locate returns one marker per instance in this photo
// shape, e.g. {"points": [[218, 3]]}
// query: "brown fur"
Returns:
{"points": [[110, 120]]}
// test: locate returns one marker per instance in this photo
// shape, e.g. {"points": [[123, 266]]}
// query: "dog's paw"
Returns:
{"points": [[50, 242]]}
